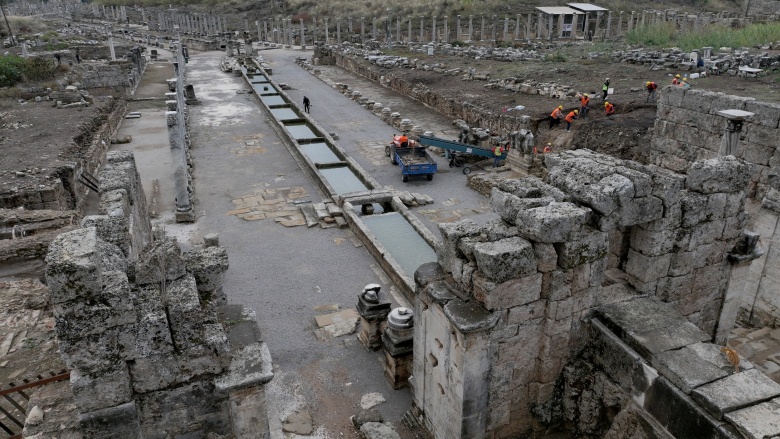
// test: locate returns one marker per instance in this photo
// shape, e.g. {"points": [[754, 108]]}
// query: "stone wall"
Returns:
{"points": [[124, 74], [688, 128], [503, 311], [153, 350], [634, 380]]}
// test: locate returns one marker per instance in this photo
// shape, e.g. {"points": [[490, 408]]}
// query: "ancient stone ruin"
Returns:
{"points": [[152, 346], [617, 262]]}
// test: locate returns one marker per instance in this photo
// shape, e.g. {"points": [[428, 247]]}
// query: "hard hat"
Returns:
{"points": [[677, 75], [606, 103], [576, 112], [560, 107], [647, 83], [586, 95], [685, 79], [607, 79], [549, 144]]}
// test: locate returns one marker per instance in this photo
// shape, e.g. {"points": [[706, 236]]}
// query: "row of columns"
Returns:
{"points": [[190, 23]]}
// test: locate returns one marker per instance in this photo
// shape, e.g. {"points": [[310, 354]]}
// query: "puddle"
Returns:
{"points": [[271, 100], [400, 239], [319, 153], [284, 113], [342, 180], [300, 131]]}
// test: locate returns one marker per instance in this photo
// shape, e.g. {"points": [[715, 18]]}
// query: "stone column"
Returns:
{"points": [[362, 30], [349, 22], [373, 310], [373, 28], [338, 31], [314, 30], [422, 27], [493, 29], [398, 36], [471, 28], [446, 29], [539, 25], [609, 23], [517, 27], [506, 29], [734, 121], [327, 32], [482, 30], [397, 341], [303, 36], [433, 30], [550, 28], [457, 28], [409, 39], [630, 22], [111, 46], [599, 16]]}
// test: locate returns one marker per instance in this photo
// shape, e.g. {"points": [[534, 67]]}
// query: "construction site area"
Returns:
{"points": [[430, 228]]}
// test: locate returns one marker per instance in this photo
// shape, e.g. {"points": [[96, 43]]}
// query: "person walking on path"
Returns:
{"points": [[570, 118], [605, 89], [609, 109], [584, 100], [306, 104], [556, 116], [498, 150], [78, 56], [651, 87]]}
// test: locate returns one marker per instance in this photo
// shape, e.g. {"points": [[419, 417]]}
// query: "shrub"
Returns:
{"points": [[15, 69], [556, 56]]}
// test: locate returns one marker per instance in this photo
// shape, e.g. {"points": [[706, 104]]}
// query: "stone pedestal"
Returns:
{"points": [[397, 342], [373, 311]]}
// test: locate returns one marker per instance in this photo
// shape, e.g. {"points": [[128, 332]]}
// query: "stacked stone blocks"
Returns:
{"points": [[525, 283], [140, 329]]}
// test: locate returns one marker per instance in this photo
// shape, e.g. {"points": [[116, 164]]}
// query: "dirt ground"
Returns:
{"points": [[36, 138], [620, 135]]}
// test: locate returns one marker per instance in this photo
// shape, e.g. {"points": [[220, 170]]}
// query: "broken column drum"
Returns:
{"points": [[373, 311], [397, 341]]}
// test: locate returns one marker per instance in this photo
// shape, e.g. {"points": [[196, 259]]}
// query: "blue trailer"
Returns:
{"points": [[461, 154], [414, 161]]}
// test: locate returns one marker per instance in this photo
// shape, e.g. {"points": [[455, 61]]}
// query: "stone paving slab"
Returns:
{"points": [[759, 345], [759, 421], [735, 392]]}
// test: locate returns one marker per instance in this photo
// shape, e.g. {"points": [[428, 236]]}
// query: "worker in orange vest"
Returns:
{"points": [[676, 80], [609, 109], [547, 148], [556, 116], [650, 86], [569, 118], [403, 141], [584, 100], [498, 150]]}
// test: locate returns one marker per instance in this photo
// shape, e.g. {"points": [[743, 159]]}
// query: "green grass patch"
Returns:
{"points": [[15, 69], [666, 35]]}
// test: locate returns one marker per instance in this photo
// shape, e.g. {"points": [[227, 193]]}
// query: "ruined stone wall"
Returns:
{"points": [[472, 114], [510, 296], [761, 7], [687, 128], [140, 325], [87, 150], [632, 380], [123, 74]]}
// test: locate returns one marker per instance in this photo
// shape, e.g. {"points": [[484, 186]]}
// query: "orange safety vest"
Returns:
{"points": [[570, 117], [556, 113], [403, 139], [609, 109], [547, 148], [584, 101], [652, 86], [675, 81]]}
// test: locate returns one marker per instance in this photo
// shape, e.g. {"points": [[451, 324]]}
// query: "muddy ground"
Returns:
{"points": [[622, 135]]}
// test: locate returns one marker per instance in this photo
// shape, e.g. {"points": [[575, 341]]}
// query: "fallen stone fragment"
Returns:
{"points": [[298, 423], [378, 430], [365, 416], [371, 400]]}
